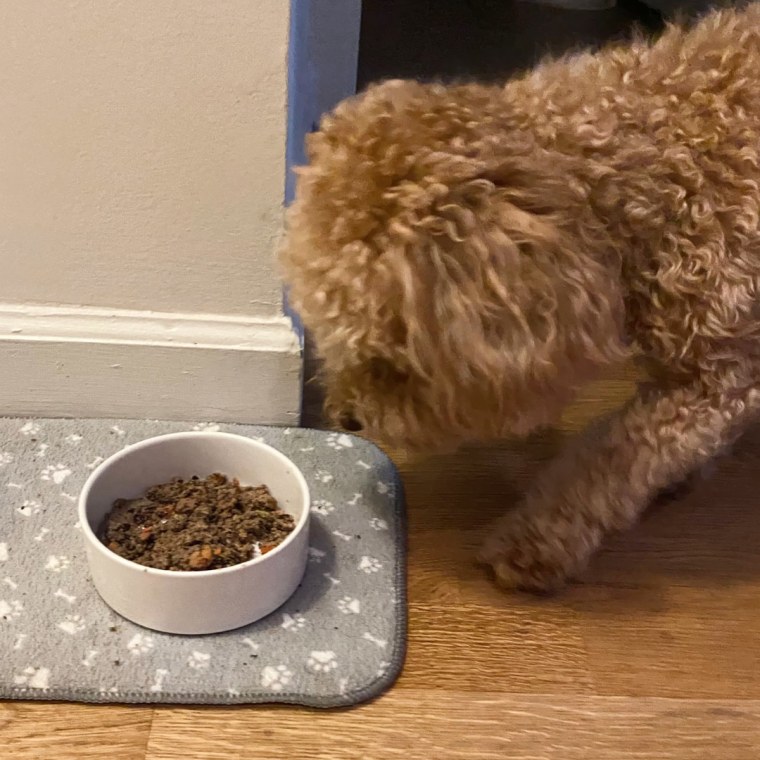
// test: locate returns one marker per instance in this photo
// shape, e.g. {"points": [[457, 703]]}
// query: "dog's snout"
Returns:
{"points": [[349, 423]]}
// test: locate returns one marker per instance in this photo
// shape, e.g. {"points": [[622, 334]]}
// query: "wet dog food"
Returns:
{"points": [[196, 524]]}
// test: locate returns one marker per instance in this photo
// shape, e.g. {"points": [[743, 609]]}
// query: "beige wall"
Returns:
{"points": [[142, 153]]}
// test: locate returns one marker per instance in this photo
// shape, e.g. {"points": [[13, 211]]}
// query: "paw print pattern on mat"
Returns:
{"points": [[140, 644], [293, 622], [370, 565], [322, 507], [34, 678], [322, 662], [339, 441], [276, 677], [57, 564], [72, 624], [349, 606], [10, 610], [56, 473], [29, 508], [60, 639], [199, 660]]}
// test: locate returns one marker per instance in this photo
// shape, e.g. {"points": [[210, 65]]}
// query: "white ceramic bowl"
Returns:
{"points": [[206, 601]]}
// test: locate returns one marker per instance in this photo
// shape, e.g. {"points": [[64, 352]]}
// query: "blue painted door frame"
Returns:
{"points": [[322, 59]]}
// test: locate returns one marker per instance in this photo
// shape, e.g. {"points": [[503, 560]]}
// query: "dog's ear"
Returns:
{"points": [[495, 287]]}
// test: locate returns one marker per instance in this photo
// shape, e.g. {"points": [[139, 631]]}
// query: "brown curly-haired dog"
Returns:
{"points": [[466, 256]]}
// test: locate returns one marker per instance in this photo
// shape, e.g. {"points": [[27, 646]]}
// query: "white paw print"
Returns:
{"points": [[118, 431], [57, 564], [140, 644], [34, 678], [384, 488], [5, 458], [10, 610], [322, 507], [207, 427], [275, 678], [376, 523], [3, 552], [370, 565], [29, 508], [316, 555], [74, 438], [199, 660], [72, 624], [323, 476], [31, 428], [349, 606], [382, 668], [322, 662], [95, 462], [292, 622], [339, 441], [56, 473], [41, 450]]}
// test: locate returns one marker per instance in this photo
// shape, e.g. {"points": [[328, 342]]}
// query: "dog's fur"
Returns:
{"points": [[466, 256]]}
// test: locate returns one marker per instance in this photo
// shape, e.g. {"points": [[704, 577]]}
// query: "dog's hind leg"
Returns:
{"points": [[602, 482]]}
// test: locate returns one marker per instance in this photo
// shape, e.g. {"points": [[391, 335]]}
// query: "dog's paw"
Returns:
{"points": [[523, 559]]}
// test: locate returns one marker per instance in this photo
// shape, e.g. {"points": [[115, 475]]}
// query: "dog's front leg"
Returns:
{"points": [[607, 477]]}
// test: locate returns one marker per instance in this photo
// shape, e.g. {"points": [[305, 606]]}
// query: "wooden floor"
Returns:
{"points": [[656, 654]]}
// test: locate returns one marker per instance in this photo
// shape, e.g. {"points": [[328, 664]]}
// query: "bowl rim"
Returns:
{"points": [[92, 538]]}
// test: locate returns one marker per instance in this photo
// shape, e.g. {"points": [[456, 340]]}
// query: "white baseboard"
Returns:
{"points": [[92, 362]]}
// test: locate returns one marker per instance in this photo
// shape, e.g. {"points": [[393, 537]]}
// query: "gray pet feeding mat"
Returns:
{"points": [[338, 641]]}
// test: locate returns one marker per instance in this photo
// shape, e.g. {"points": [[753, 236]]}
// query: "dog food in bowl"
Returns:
{"points": [[196, 524]]}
